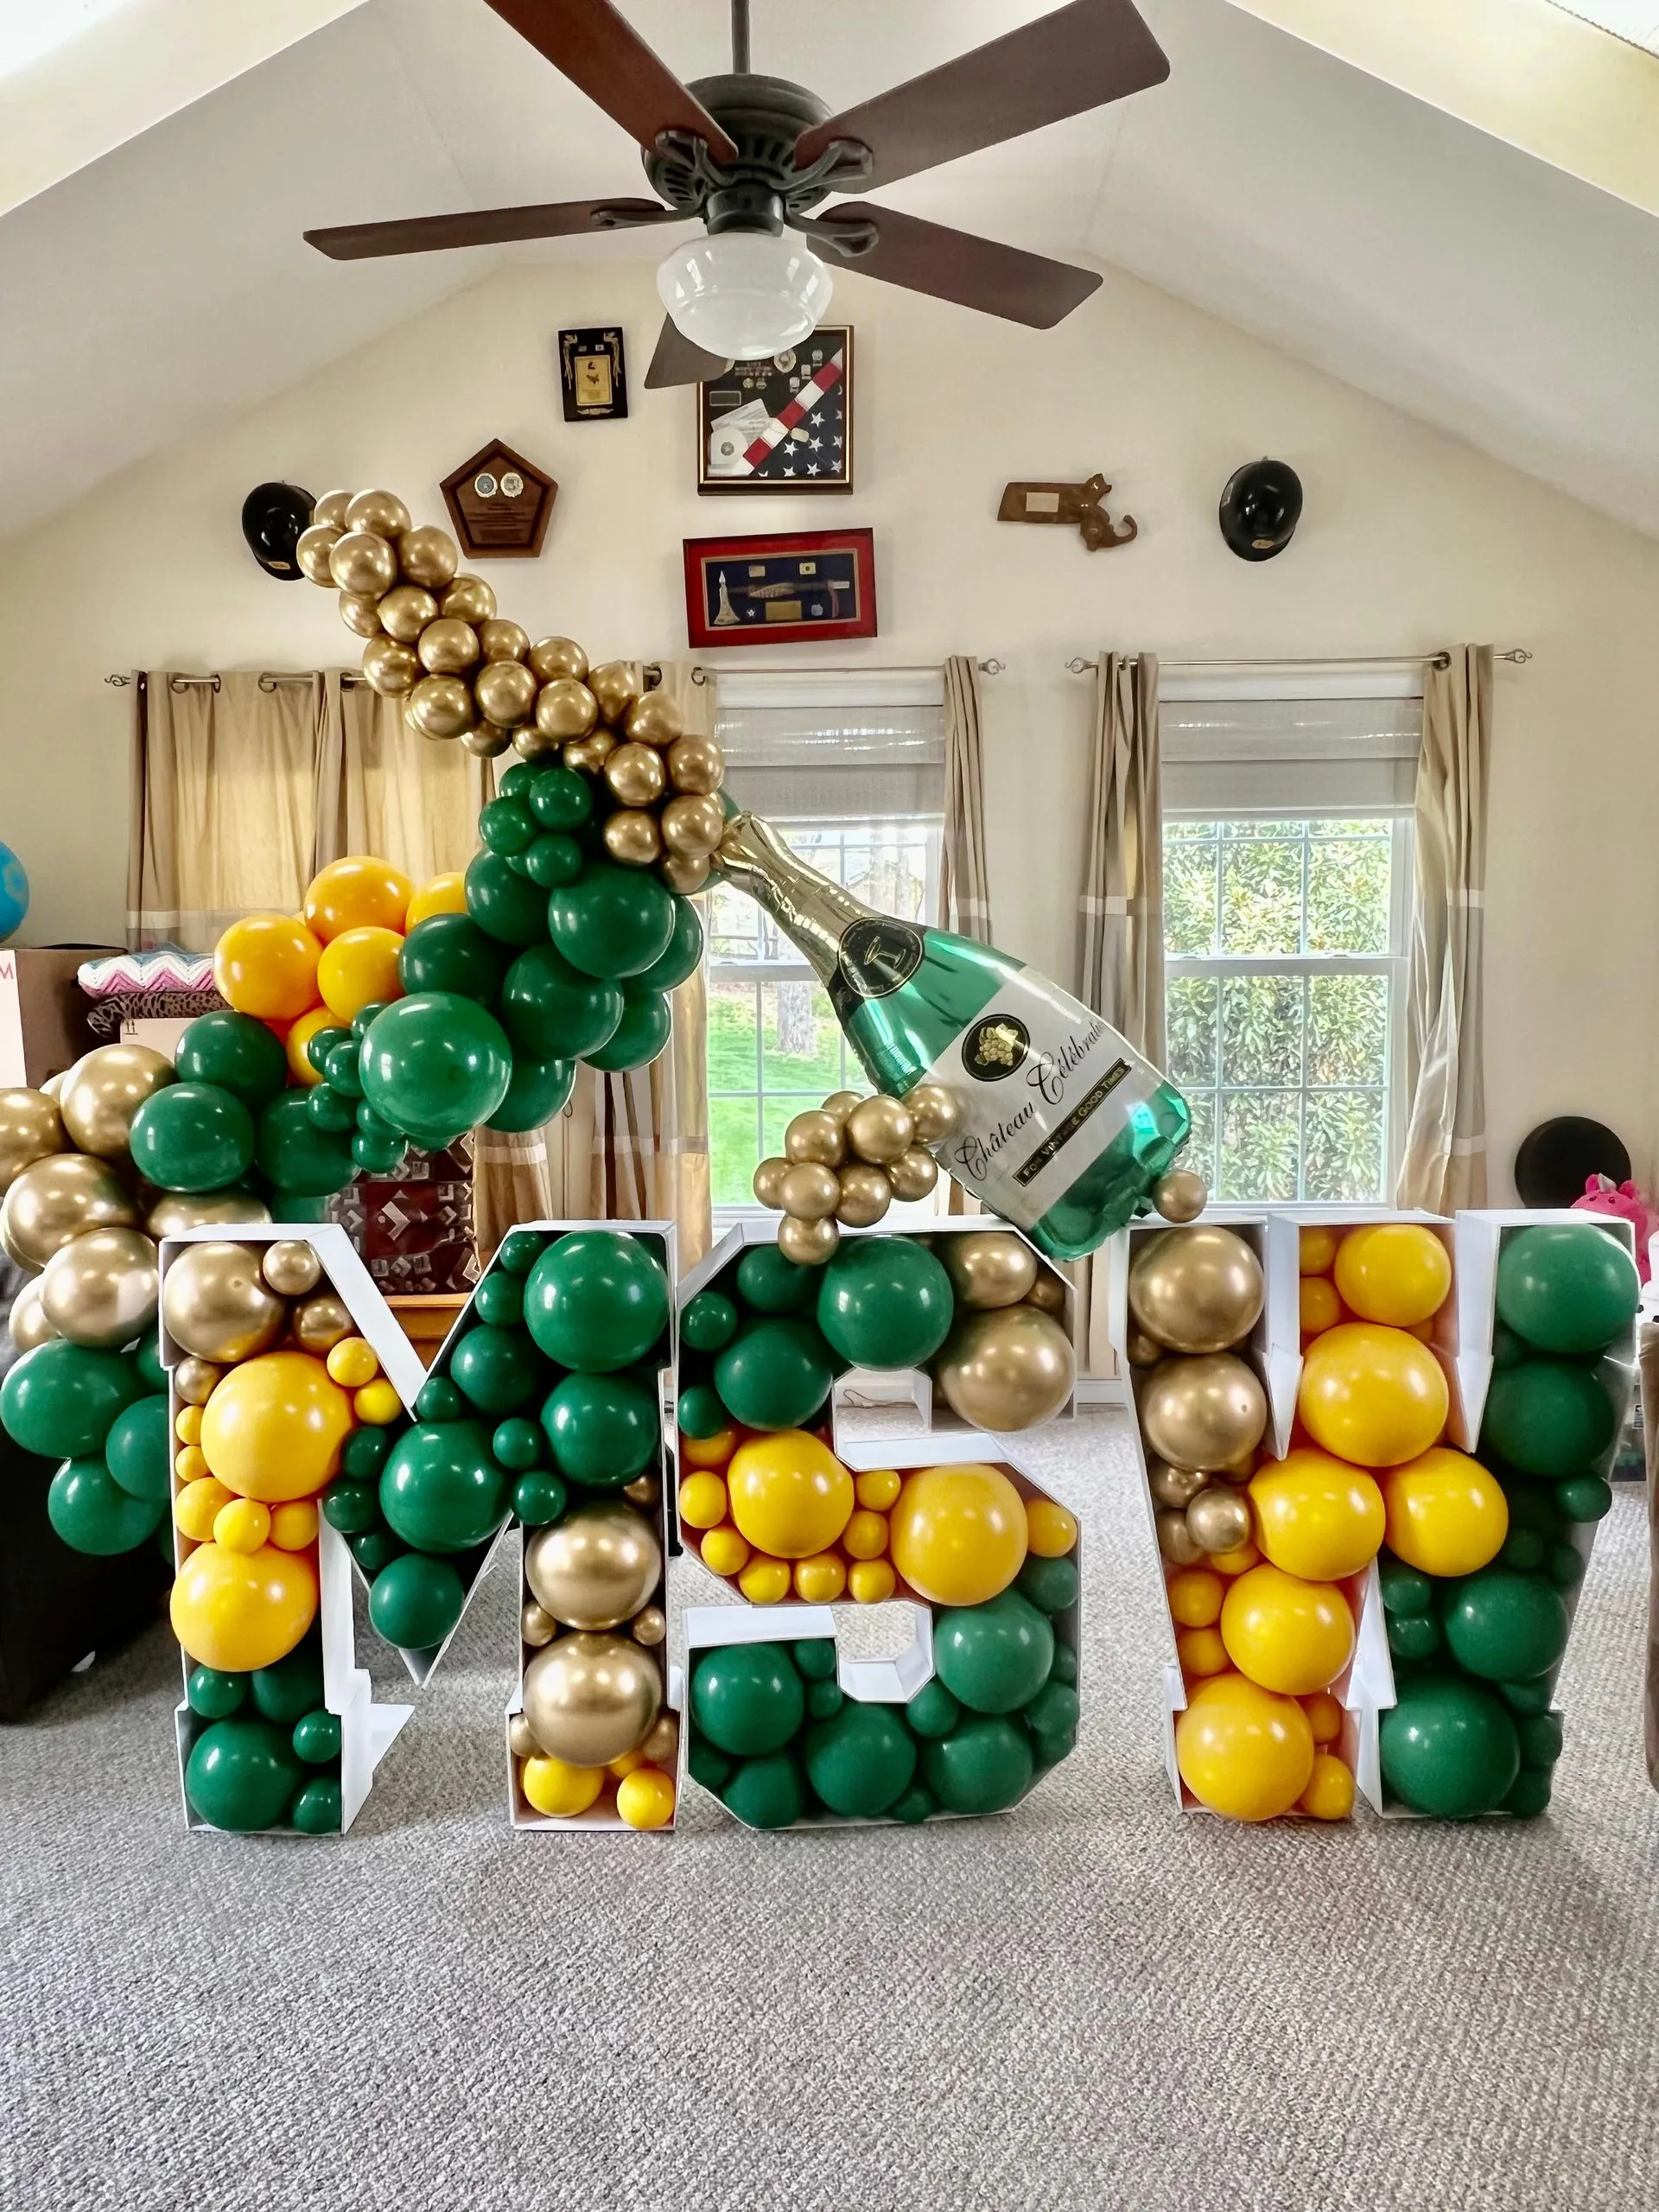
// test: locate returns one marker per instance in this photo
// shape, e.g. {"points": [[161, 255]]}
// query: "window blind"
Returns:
{"points": [[827, 763], [1290, 756]]}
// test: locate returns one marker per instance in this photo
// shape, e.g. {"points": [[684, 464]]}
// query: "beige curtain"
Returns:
{"points": [[1444, 1164], [381, 789], [1121, 911], [223, 795], [964, 879]]}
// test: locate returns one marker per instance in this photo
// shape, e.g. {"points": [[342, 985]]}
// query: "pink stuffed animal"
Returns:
{"points": [[1624, 1202]]}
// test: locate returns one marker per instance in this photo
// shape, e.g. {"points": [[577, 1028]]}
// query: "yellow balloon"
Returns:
{"points": [[266, 964], [238, 1610], [199, 1504], [1320, 1307], [439, 894], [1243, 1751], [187, 1427], [376, 1403], [724, 1552], [1050, 1528], [293, 1526], [820, 1580], [1323, 1716], [359, 969], [273, 1427], [354, 893], [1372, 1395], [645, 1799], [958, 1534], [1330, 1793], [352, 1363], [865, 1535], [708, 1450], [702, 1500], [871, 1581], [877, 1488], [557, 1790], [242, 1525], [1396, 1271], [1238, 1563], [1446, 1513], [1315, 1516], [1195, 1594], [1317, 1248], [299, 1063], [790, 1495], [1201, 1651], [764, 1581], [1285, 1634], [190, 1465]]}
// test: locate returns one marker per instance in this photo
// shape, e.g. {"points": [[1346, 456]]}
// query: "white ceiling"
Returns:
{"points": [[166, 286]]}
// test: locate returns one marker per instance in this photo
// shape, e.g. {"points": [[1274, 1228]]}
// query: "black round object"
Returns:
{"points": [[273, 515], [1260, 508], [1554, 1161]]}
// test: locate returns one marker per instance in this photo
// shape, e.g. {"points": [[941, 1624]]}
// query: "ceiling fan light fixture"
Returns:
{"points": [[745, 295]]}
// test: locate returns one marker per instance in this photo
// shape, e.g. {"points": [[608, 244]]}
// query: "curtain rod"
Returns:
{"points": [[701, 675], [269, 679], [1079, 666]]}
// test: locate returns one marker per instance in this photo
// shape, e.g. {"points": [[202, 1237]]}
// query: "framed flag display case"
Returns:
{"points": [[780, 425], [804, 584]]}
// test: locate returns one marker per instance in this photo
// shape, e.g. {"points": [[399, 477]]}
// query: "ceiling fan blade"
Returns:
{"points": [[975, 272], [1078, 58], [677, 360], [487, 226], [591, 44]]}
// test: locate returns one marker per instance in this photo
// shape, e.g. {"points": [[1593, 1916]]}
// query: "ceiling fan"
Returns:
{"points": [[747, 156]]}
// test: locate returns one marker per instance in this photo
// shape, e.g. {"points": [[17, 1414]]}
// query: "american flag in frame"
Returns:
{"points": [[782, 425]]}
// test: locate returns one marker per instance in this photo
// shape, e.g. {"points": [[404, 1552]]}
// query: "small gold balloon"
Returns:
{"points": [[815, 1136], [100, 1289], [635, 774], [56, 1199], [655, 720], [1007, 1368], [1196, 1290], [314, 549], [613, 683], [520, 1742], [988, 1267], [361, 562], [530, 744], [1175, 1487], [880, 1129], [645, 1491], [1142, 1350], [216, 1304], [684, 874], [565, 709], [811, 1191], [662, 1746], [195, 1380], [590, 1699], [768, 1184], [1181, 1195], [180, 1210], [913, 1174], [54, 1084], [26, 1322], [631, 837], [596, 1567], [505, 692], [392, 670], [589, 754], [383, 513], [692, 825], [405, 611], [331, 509], [320, 1323], [840, 1103], [428, 556], [360, 611], [866, 1194], [696, 765], [537, 1626], [103, 1091], [1218, 1518], [1175, 1539], [469, 598], [649, 1626], [934, 1111], [440, 706], [31, 1128], [1047, 1293], [1203, 1412], [808, 1244], [291, 1267], [487, 741], [553, 658], [446, 646], [501, 640]]}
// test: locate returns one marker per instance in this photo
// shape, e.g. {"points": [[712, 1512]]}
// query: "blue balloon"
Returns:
{"points": [[14, 892]]}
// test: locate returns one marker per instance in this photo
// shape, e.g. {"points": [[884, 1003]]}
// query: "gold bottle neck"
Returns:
{"points": [[811, 910]]}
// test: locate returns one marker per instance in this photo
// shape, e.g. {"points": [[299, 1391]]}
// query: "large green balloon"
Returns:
{"points": [[497, 1369], [994, 1657], [61, 1399], [296, 1156], [766, 1792], [192, 1136], [771, 1284], [549, 1008], [92, 1512], [441, 1490], [450, 952], [538, 1091], [885, 1302], [1506, 1626], [415, 1600], [597, 1300], [860, 1759], [1565, 1286], [237, 1053], [984, 1766], [1547, 1417], [613, 921], [603, 1429], [747, 1698], [1449, 1747], [138, 1448], [684, 951], [241, 1775], [774, 1374], [640, 1036], [503, 903], [435, 1064]]}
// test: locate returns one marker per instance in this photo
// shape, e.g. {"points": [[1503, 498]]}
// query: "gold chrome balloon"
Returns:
{"points": [[312, 550], [1203, 1412], [469, 598], [195, 1380], [613, 683], [768, 1184], [537, 1626], [590, 1699], [440, 706], [814, 1136], [27, 1321], [331, 510], [597, 1566], [320, 1323], [499, 640], [520, 1742], [428, 556], [103, 1091], [553, 658], [662, 1746], [31, 1128], [406, 611], [840, 1103], [565, 709], [631, 837], [934, 1110], [913, 1174], [448, 647], [880, 1129], [61, 1197], [100, 1289], [215, 1303], [1047, 1293], [865, 1193], [811, 1191], [636, 774], [655, 720], [383, 513], [1007, 1368], [179, 1210], [649, 1626], [1175, 1487], [1196, 1290], [1175, 1539], [808, 1244], [696, 765], [1218, 1519], [644, 1490], [692, 825], [505, 691], [487, 741], [1181, 1195], [291, 1267], [392, 669], [588, 754], [362, 562], [360, 611], [988, 1267], [684, 874], [1142, 1350]]}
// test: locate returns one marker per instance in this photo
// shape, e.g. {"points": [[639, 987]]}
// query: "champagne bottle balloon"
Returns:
{"points": [[1062, 1127]]}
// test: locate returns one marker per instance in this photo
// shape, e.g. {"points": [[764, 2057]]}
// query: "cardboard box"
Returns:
{"points": [[43, 1026]]}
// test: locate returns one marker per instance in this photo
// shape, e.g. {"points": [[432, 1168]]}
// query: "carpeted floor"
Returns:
{"points": [[1092, 2003]]}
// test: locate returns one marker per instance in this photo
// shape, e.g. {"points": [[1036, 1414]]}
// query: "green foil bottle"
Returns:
{"points": [[1062, 1127]]}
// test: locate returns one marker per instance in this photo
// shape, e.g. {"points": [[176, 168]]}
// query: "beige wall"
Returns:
{"points": [[1409, 540]]}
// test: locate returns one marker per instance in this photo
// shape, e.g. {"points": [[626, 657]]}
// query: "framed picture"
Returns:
{"points": [[782, 425], [802, 587], [593, 376]]}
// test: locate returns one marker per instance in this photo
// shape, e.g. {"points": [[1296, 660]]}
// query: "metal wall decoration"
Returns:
{"points": [[1081, 505], [780, 425], [803, 584], [501, 505], [593, 375]]}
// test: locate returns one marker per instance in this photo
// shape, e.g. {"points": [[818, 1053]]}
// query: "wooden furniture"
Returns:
{"points": [[426, 1321]]}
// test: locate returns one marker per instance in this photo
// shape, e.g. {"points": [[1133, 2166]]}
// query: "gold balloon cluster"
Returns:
{"points": [[223, 1302], [75, 1213], [592, 1695], [1195, 1294], [847, 1160], [1008, 1362], [435, 639]]}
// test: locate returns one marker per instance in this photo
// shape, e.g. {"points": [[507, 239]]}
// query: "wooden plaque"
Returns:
{"points": [[501, 505]]}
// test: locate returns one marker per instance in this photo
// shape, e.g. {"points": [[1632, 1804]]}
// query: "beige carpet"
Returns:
{"points": [[1092, 2003]]}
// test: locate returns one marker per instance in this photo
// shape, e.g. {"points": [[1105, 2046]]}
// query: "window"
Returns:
{"points": [[1636, 22], [1286, 938]]}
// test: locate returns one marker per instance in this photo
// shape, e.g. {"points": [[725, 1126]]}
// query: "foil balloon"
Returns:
{"points": [[216, 1305], [1204, 1412], [1196, 1290], [595, 1568], [101, 1290], [31, 1128], [592, 1699], [56, 1199], [1007, 1368], [103, 1091]]}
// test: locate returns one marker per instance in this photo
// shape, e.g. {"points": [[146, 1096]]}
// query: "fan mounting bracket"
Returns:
{"points": [[763, 188]]}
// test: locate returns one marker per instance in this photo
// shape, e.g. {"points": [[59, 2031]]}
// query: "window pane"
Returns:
{"points": [[800, 1039], [734, 920], [1262, 892], [1189, 895], [1348, 893], [1348, 1029], [1261, 1143], [1199, 1154], [1261, 1031], [1190, 1007], [731, 1064], [1344, 1144], [731, 1124]]}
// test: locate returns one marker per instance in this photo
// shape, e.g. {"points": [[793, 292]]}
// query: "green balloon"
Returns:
{"points": [[711, 1769], [914, 1807], [708, 1323], [319, 1808], [771, 1284], [1566, 1286], [520, 1249], [289, 1687], [1405, 1589], [416, 1599], [138, 1450], [768, 1792], [61, 1399], [1505, 1626], [1448, 1748], [1065, 1669], [640, 1036], [1414, 1636], [560, 800], [332, 1111], [519, 1445], [933, 1710], [1524, 1549], [539, 1499], [506, 826], [146, 1356], [504, 905], [316, 1736], [613, 921], [241, 1775], [597, 1300], [439, 1399], [1548, 1418], [603, 1429], [1529, 1794], [549, 1008], [353, 1508], [450, 952], [515, 780], [815, 1658], [192, 1136], [983, 1766], [553, 861], [700, 1411], [537, 1090], [823, 1699], [861, 1760], [374, 1155], [92, 1513], [994, 1657], [1050, 1584], [295, 1155], [1528, 1698], [498, 1370], [364, 1452], [364, 1015], [1565, 1564], [1540, 1738], [1052, 1720], [441, 1490], [774, 1374], [1583, 1497], [214, 1694], [500, 1299], [236, 1052], [321, 1043], [342, 1066], [684, 954], [884, 1301], [747, 1698], [435, 1064]]}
